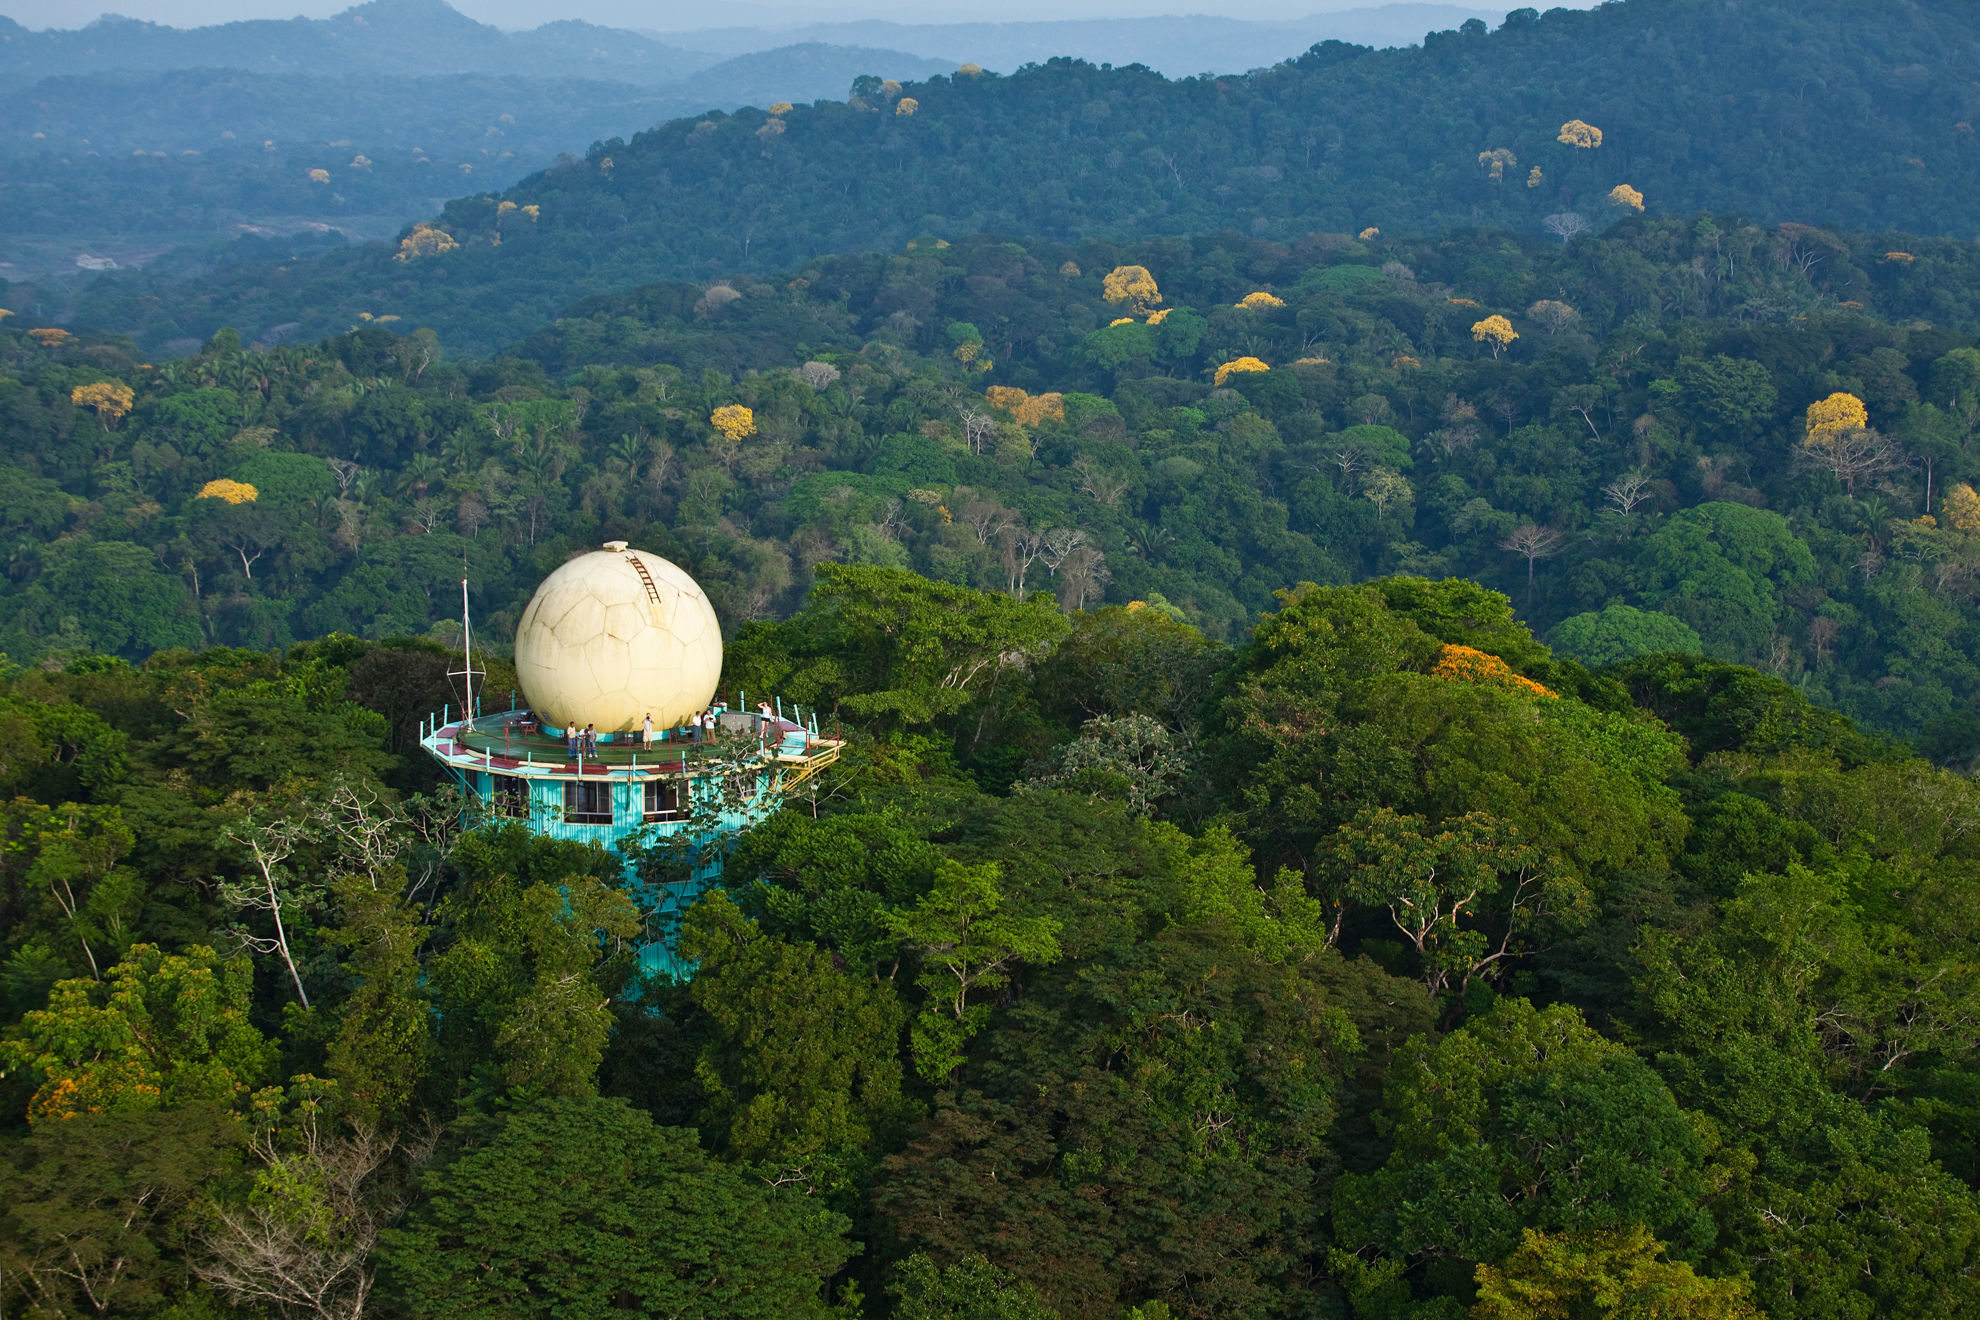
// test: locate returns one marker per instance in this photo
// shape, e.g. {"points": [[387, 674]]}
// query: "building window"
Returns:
{"points": [[510, 797], [663, 800], [587, 803]]}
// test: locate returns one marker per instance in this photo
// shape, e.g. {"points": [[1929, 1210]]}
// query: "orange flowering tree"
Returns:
{"points": [[159, 1029], [1465, 664]]}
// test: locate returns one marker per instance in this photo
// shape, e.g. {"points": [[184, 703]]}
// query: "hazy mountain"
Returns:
{"points": [[1174, 45], [382, 36], [1702, 107], [124, 166]]}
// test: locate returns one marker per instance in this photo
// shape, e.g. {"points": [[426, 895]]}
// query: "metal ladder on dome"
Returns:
{"points": [[652, 592]]}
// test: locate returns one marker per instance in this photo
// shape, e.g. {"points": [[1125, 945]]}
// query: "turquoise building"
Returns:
{"points": [[611, 640]]}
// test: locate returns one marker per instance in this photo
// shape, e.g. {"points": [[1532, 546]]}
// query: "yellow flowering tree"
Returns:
{"points": [[907, 105], [734, 421], [319, 176], [780, 108], [1496, 162], [1030, 409], [228, 491], [970, 69], [425, 241], [1069, 269], [1239, 365], [1132, 285], [1255, 301], [1368, 233], [1534, 178], [1962, 509], [1495, 330], [1624, 195], [1156, 318], [1840, 441], [1838, 412], [111, 401], [1577, 133]]}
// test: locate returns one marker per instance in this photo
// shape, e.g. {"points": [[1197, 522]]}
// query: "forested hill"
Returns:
{"points": [[1777, 109]]}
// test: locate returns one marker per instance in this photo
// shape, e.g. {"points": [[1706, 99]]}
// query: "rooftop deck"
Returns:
{"points": [[513, 743]]}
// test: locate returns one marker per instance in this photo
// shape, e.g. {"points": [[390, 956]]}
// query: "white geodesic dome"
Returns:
{"points": [[615, 635]]}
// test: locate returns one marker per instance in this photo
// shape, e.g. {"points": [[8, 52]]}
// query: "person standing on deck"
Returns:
{"points": [[646, 732]]}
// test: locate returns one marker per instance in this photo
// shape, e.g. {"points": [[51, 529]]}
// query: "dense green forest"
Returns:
{"points": [[1408, 738], [1701, 106], [969, 411], [1384, 966]]}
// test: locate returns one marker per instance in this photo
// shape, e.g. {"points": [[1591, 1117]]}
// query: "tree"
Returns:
{"points": [[1496, 162], [1437, 883], [970, 1289], [1838, 412], [159, 1031], [1619, 1274], [965, 944], [1495, 330], [1521, 1119], [1565, 225], [1850, 454], [1622, 632], [382, 1051], [802, 1069], [1132, 285], [303, 1238], [1552, 315], [894, 647], [528, 981], [1132, 757], [228, 491], [270, 839], [92, 1207], [110, 400], [1233, 367], [1628, 491], [1961, 509], [1576, 133], [583, 1209], [1532, 542], [1627, 197], [734, 421]]}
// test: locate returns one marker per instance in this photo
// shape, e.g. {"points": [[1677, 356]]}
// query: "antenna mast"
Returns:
{"points": [[467, 670]]}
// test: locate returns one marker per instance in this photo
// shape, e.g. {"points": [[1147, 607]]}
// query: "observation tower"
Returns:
{"points": [[612, 637]]}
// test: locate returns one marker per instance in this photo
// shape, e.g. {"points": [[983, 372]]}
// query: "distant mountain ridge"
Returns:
{"points": [[1801, 111], [381, 36], [428, 37], [128, 164], [1177, 45]]}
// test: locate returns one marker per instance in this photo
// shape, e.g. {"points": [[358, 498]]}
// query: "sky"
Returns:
{"points": [[685, 15]]}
